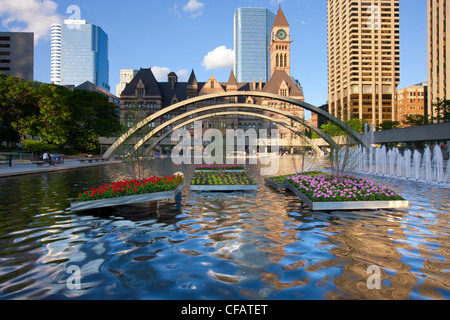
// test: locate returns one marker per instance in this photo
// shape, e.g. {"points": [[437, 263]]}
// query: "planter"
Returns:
{"points": [[348, 205], [219, 188], [216, 181], [276, 185], [126, 200]]}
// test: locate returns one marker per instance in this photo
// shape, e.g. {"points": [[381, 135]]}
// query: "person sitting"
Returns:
{"points": [[46, 157]]}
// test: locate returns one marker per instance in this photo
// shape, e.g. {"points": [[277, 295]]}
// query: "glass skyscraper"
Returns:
{"points": [[252, 27], [79, 54]]}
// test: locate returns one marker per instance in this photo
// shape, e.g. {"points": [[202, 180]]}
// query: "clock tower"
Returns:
{"points": [[280, 48]]}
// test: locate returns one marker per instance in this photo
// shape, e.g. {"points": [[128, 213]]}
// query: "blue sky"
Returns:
{"points": [[181, 35]]}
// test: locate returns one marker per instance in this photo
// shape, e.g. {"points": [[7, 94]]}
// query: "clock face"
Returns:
{"points": [[281, 34]]}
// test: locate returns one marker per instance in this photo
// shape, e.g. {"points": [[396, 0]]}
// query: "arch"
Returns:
{"points": [[181, 125], [229, 106], [346, 128]]}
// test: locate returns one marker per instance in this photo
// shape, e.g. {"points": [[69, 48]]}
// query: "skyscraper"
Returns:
{"points": [[363, 59], [126, 75], [438, 55], [17, 54], [79, 54], [252, 27]]}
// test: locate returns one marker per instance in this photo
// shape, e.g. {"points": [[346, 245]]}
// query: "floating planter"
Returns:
{"points": [[223, 179], [322, 191], [129, 192], [225, 168], [278, 183]]}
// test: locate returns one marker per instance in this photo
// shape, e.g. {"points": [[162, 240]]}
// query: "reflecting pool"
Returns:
{"points": [[244, 245]]}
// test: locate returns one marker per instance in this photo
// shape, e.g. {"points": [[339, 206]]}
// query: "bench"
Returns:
{"points": [[40, 163], [56, 159]]}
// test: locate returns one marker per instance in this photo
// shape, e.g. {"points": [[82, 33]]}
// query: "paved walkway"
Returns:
{"points": [[27, 167]]}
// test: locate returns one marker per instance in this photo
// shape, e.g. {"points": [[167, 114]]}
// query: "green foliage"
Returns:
{"points": [[414, 120], [442, 111], [55, 114], [388, 125], [333, 131], [218, 178], [38, 146]]}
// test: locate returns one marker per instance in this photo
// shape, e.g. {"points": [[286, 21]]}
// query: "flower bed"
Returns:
{"points": [[129, 192], [217, 167], [324, 192], [222, 181]]}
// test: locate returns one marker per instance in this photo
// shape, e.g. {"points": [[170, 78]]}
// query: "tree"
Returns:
{"points": [[18, 100], [54, 113], [442, 109], [414, 120], [333, 131], [388, 125]]}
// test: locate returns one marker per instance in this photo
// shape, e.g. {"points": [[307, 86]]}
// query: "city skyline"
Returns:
{"points": [[198, 35]]}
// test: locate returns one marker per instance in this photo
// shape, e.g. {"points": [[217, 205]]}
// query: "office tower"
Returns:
{"points": [[17, 54], [363, 59], [438, 55], [79, 54], [252, 28], [126, 75], [412, 101]]}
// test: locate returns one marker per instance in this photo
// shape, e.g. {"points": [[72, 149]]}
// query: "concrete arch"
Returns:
{"points": [[233, 106], [179, 126], [110, 152], [355, 135]]}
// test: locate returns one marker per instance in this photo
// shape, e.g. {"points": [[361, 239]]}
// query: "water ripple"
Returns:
{"points": [[255, 245]]}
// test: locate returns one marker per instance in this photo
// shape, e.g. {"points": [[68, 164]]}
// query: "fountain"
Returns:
{"points": [[426, 163], [438, 162], [411, 165], [417, 159], [407, 161]]}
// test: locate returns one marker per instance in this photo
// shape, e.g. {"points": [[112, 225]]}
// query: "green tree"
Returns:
{"points": [[18, 100], [54, 113], [414, 120], [388, 125], [333, 131], [442, 111]]}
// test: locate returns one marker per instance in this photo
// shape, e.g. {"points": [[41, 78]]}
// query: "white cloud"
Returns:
{"points": [[220, 58], [30, 16], [194, 7], [161, 73]]}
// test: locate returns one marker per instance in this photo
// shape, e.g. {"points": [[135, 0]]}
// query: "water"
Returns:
{"points": [[255, 245]]}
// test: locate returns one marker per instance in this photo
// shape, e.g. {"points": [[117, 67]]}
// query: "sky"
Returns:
{"points": [[186, 35]]}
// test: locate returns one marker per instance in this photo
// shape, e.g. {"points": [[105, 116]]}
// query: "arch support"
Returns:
{"points": [[227, 113], [355, 135]]}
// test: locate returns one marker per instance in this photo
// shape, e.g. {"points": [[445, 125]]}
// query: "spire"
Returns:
{"points": [[280, 20], [232, 84], [192, 82]]}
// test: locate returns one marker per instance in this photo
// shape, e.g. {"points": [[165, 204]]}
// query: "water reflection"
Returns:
{"points": [[245, 245]]}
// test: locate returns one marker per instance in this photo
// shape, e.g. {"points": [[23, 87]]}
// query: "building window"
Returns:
{"points": [[140, 92]]}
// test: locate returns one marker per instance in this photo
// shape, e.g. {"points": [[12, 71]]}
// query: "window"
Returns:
{"points": [[140, 92]]}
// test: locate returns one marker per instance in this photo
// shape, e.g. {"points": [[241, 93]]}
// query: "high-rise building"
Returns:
{"points": [[17, 54], [252, 36], [438, 55], [126, 75], [363, 59], [412, 101], [79, 54]]}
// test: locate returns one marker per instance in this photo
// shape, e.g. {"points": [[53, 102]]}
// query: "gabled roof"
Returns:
{"points": [[149, 81], [275, 81], [280, 20]]}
